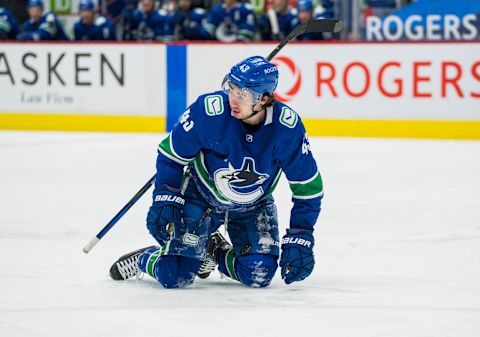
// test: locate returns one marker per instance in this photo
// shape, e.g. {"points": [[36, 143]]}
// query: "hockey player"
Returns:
{"points": [[41, 26], [9, 27], [90, 27], [285, 16], [149, 24], [231, 21], [189, 22], [220, 165]]}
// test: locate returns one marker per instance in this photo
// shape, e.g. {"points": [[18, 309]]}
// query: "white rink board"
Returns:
{"points": [[419, 68], [131, 80]]}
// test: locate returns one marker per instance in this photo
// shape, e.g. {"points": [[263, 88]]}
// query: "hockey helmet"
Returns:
{"points": [[255, 75], [86, 5], [35, 3], [305, 5]]}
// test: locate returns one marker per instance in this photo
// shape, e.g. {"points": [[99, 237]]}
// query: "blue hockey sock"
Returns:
{"points": [[226, 263]]}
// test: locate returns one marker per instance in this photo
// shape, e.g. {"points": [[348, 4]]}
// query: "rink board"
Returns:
{"points": [[413, 90]]}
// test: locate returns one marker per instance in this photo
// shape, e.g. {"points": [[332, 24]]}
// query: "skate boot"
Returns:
{"points": [[216, 244], [127, 265]]}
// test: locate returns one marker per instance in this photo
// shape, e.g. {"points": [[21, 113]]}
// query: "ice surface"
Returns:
{"points": [[398, 245]]}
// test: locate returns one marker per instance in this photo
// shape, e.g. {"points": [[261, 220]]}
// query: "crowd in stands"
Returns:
{"points": [[173, 20]]}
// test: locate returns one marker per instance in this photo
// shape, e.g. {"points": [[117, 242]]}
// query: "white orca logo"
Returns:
{"points": [[228, 180]]}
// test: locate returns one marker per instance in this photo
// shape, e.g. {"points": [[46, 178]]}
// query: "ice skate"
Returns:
{"points": [[127, 265], [217, 242]]}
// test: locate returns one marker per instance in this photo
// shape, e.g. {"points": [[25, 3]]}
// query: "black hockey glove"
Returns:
{"points": [[165, 213]]}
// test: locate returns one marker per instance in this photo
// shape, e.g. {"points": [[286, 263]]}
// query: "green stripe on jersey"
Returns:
{"points": [[199, 165], [166, 148], [308, 189]]}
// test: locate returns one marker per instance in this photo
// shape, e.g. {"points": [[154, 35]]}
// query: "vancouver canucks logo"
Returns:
{"points": [[242, 185]]}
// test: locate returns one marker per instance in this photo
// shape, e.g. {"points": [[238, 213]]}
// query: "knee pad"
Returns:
{"points": [[256, 270], [173, 271]]}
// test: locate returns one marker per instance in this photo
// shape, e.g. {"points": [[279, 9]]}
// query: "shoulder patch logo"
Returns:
{"points": [[288, 117], [214, 105]]}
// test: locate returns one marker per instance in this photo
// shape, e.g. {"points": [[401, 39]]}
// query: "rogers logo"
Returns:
{"points": [[281, 62]]}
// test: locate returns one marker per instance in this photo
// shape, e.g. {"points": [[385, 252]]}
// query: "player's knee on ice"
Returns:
{"points": [[176, 271], [171, 271], [256, 270]]}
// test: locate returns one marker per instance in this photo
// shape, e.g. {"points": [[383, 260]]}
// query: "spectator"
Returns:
{"points": [[188, 22], [90, 27], [41, 26], [282, 16], [9, 27], [232, 21], [324, 10], [305, 14], [18, 8], [149, 24]]}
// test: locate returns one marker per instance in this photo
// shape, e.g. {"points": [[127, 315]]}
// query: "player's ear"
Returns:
{"points": [[265, 99]]}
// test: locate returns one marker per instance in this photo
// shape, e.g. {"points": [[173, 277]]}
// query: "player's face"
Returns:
{"points": [[87, 16], [280, 5], [35, 13], [148, 5], [184, 5], [241, 101], [304, 16]]}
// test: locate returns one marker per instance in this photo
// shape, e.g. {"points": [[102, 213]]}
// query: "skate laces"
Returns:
{"points": [[207, 266], [129, 268]]}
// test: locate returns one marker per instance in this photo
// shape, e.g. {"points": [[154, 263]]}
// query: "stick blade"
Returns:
{"points": [[324, 26]]}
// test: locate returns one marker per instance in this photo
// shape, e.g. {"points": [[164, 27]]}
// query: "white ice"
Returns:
{"points": [[397, 250]]}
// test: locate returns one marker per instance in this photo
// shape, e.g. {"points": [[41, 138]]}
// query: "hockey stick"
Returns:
{"points": [[118, 216], [314, 26]]}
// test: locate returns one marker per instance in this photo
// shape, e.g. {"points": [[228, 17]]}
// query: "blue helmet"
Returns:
{"points": [[35, 3], [86, 5], [305, 5], [255, 74]]}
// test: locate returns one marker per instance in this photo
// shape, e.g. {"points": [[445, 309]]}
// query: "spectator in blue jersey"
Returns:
{"points": [[91, 27], [9, 27], [230, 22], [188, 22], [219, 166], [41, 26], [281, 16], [150, 24], [305, 14]]}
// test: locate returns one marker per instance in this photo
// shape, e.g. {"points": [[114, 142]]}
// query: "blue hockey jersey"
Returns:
{"points": [[286, 23], [101, 29], [235, 168], [9, 27], [47, 28], [230, 25], [156, 25], [189, 24]]}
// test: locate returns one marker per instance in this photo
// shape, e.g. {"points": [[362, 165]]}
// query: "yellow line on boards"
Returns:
{"points": [[315, 127], [62, 122], [393, 128]]}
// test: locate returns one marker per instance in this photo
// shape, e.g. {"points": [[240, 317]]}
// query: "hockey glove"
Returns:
{"points": [[297, 261], [165, 213]]}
